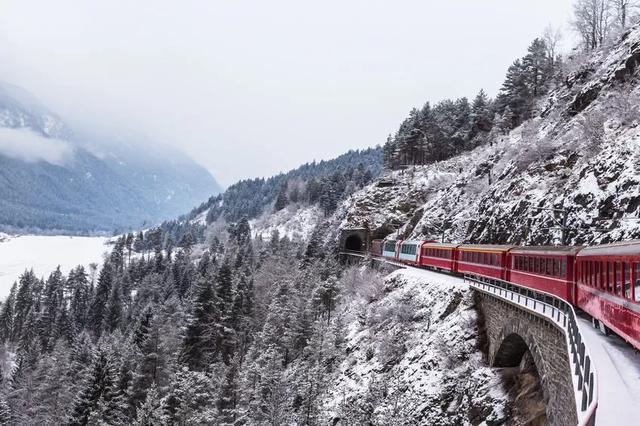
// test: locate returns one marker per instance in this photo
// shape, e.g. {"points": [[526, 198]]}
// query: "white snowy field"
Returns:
{"points": [[44, 254]]}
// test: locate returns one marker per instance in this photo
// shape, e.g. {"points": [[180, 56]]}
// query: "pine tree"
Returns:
{"points": [[5, 413], [97, 393], [191, 398], [52, 303], [281, 199], [201, 334], [481, 115], [152, 411], [103, 293], [113, 312], [24, 301], [6, 315]]}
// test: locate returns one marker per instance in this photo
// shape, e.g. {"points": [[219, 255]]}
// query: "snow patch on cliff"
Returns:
{"points": [[412, 357], [293, 221]]}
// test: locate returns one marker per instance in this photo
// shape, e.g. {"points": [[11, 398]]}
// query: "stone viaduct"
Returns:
{"points": [[513, 331]]}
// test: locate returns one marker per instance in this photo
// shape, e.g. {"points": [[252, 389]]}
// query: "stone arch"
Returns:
{"points": [[354, 243], [513, 342], [511, 351], [507, 326], [517, 352]]}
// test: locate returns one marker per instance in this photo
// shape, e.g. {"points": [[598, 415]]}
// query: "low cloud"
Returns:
{"points": [[27, 145]]}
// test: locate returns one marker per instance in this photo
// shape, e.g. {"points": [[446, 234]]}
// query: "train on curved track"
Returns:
{"points": [[603, 281]]}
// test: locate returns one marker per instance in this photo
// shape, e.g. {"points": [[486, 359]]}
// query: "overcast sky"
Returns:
{"points": [[253, 88]]}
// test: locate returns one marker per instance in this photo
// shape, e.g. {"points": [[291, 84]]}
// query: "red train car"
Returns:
{"points": [[439, 256], [608, 287], [484, 260], [546, 268]]}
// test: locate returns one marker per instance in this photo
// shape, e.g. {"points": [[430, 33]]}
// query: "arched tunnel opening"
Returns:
{"points": [[354, 243], [522, 381]]}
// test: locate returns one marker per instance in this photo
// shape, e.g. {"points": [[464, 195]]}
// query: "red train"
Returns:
{"points": [[603, 281]]}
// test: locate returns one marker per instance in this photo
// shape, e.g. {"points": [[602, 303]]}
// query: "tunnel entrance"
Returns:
{"points": [[354, 243], [521, 380]]}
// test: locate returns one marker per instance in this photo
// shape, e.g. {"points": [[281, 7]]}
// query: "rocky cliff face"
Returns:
{"points": [[574, 164], [412, 358]]}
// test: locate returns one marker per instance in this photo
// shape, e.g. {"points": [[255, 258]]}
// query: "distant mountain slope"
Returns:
{"points": [[290, 203], [50, 183]]}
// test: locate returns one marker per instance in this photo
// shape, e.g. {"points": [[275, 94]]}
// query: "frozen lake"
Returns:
{"points": [[44, 254]]}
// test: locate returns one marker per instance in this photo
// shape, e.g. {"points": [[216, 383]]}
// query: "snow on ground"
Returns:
{"points": [[44, 254], [618, 368], [292, 221], [412, 358]]}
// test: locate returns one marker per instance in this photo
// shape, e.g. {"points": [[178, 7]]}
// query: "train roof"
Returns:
{"points": [[624, 248], [485, 247], [440, 245], [549, 250], [417, 242]]}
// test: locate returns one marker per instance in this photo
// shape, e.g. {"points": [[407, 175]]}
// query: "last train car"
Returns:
{"points": [[489, 261], [545, 268], [376, 248], [608, 287]]}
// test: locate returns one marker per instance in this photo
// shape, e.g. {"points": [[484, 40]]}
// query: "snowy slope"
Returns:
{"points": [[295, 222], [412, 357], [44, 254], [581, 153]]}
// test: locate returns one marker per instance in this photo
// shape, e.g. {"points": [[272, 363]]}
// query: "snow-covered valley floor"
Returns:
{"points": [[44, 254]]}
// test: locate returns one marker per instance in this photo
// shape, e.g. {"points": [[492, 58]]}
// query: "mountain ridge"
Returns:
{"points": [[52, 183]]}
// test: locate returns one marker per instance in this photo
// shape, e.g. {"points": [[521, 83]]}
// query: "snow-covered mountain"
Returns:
{"points": [[579, 154], [51, 182]]}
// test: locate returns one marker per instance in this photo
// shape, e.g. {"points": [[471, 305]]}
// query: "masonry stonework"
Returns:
{"points": [[507, 327]]}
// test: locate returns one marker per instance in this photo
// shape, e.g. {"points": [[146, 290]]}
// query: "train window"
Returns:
{"points": [[611, 277], [586, 277], [636, 287], [549, 268], [619, 278], [626, 280], [536, 264], [581, 272]]}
